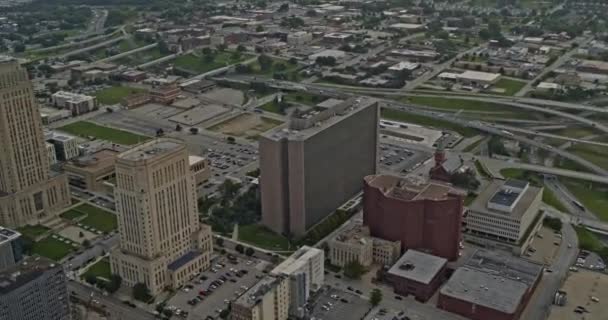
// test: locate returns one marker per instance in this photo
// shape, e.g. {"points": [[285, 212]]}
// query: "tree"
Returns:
{"points": [[239, 248], [178, 128], [259, 28], [241, 48], [292, 60], [160, 132], [231, 140], [284, 7], [109, 110], [265, 62], [80, 234], [114, 284], [193, 130], [141, 292], [249, 251], [221, 47], [354, 270], [19, 47], [280, 67], [496, 146], [207, 51], [553, 223], [219, 242], [375, 297], [90, 279], [86, 243]]}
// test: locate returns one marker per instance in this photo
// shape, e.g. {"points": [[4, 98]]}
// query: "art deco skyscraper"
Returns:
{"points": [[29, 191], [162, 242]]}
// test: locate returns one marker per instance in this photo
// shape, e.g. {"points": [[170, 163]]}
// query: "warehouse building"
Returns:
{"points": [[490, 285]]}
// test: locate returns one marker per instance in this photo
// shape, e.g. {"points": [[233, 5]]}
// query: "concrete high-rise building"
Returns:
{"points": [[421, 215], [305, 269], [266, 300], [29, 191], [36, 289], [316, 163], [162, 242], [10, 248]]}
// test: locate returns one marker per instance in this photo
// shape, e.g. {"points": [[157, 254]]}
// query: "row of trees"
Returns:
{"points": [[110, 285]]}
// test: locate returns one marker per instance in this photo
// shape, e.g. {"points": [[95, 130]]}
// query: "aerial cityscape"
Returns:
{"points": [[303, 160]]}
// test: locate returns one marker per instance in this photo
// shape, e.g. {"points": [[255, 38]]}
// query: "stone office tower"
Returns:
{"points": [[29, 191], [162, 242]]}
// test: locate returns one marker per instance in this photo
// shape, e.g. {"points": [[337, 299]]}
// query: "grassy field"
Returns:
{"points": [[458, 104], [262, 237], [97, 218], [32, 232], [198, 64], [473, 145], [257, 69], [593, 196], [51, 248], [88, 129], [510, 86], [548, 196], [101, 269], [114, 95], [587, 240], [391, 114], [597, 155]]}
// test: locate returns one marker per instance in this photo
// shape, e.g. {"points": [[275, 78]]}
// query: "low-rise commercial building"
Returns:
{"points": [[75, 102], [505, 212], [337, 38], [165, 94], [200, 169], [421, 215], [356, 244], [593, 66], [478, 78], [490, 285], [94, 172], [50, 115], [266, 300], [11, 252], [299, 38], [418, 274], [135, 100], [35, 289], [306, 272]]}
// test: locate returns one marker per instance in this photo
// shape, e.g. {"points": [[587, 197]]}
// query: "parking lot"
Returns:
{"points": [[544, 246], [590, 260], [334, 304], [587, 293], [398, 158], [209, 304]]}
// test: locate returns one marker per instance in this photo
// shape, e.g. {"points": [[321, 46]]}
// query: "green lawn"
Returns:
{"points": [[510, 86], [101, 269], [592, 195], [97, 218], [469, 199], [271, 106], [548, 196], [88, 129], [397, 115], [262, 237], [482, 170], [458, 104], [72, 214], [115, 94], [51, 248], [473, 145], [303, 98], [198, 64], [32, 232]]}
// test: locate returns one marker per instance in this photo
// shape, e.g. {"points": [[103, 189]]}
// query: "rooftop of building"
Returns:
{"points": [[99, 160], [356, 234], [151, 149], [7, 235], [507, 266], [297, 260], [301, 129], [4, 59], [410, 188], [479, 75], [28, 270], [183, 260], [496, 194], [418, 266], [192, 159], [254, 295], [72, 96], [484, 289]]}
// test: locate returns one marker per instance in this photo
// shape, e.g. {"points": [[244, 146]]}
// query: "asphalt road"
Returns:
{"points": [[117, 309]]}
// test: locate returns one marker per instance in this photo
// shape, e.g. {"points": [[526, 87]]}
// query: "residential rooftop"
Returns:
{"points": [[418, 266]]}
